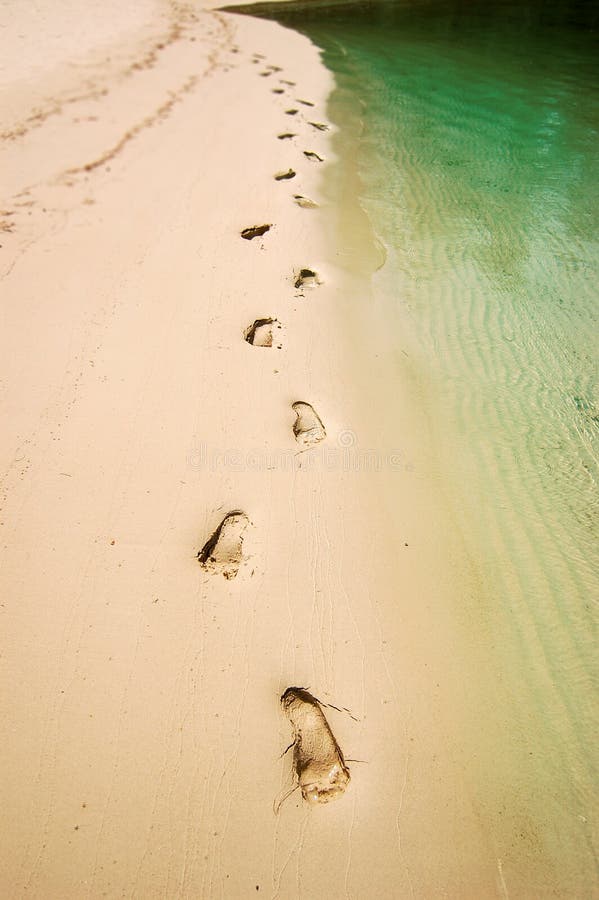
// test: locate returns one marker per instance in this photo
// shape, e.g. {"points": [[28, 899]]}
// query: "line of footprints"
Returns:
{"points": [[320, 768]]}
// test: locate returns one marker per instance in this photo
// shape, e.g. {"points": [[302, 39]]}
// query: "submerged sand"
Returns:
{"points": [[142, 726]]}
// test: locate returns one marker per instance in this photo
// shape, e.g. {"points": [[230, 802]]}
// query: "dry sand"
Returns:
{"points": [[142, 728]]}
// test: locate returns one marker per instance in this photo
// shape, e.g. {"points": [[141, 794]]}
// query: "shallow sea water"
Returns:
{"points": [[477, 160]]}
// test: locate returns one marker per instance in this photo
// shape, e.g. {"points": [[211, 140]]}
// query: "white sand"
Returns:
{"points": [[142, 729]]}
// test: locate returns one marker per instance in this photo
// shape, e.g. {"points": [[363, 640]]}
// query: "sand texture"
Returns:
{"points": [[143, 733]]}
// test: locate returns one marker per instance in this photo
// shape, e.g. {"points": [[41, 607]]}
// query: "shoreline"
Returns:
{"points": [[144, 712]]}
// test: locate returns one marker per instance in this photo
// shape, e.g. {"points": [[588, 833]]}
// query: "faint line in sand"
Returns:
{"points": [[502, 879], [398, 816]]}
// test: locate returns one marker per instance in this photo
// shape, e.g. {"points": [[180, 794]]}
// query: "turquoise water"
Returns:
{"points": [[478, 166]]}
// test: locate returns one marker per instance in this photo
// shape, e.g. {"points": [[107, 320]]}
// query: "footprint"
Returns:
{"points": [[222, 554], [286, 136], [255, 231], [265, 74], [290, 83], [278, 91], [306, 278], [313, 156], [260, 334], [285, 176], [319, 125], [317, 758], [275, 68], [305, 102], [291, 112], [304, 202], [307, 428]]}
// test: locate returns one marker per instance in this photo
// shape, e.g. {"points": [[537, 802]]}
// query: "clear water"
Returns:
{"points": [[478, 163]]}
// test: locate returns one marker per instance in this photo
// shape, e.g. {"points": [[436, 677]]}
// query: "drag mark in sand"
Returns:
{"points": [[157, 116], [147, 61]]}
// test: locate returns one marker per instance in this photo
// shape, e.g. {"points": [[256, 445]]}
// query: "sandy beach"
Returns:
{"points": [[143, 731]]}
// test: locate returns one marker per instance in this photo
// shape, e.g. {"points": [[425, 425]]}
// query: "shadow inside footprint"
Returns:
{"points": [[307, 428], [304, 102], [306, 278], [286, 136], [313, 156], [291, 112], [260, 334], [222, 554], [278, 91], [290, 83], [284, 176], [304, 202], [321, 771], [265, 74], [255, 231], [319, 126]]}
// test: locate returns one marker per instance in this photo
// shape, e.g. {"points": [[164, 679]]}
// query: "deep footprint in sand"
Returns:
{"points": [[306, 278], [291, 112], [319, 126], [286, 136], [285, 176], [321, 771], [314, 157], [222, 554], [304, 202], [261, 333], [307, 428], [304, 102], [255, 231], [278, 91], [290, 83]]}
